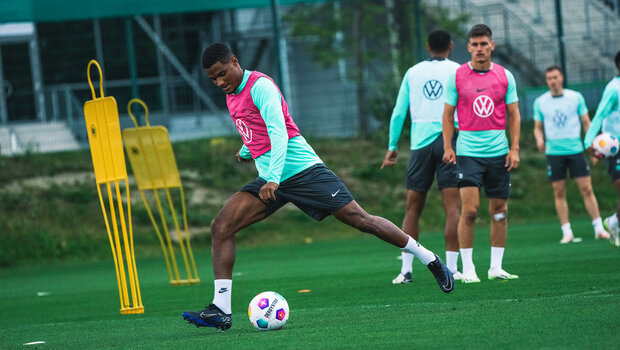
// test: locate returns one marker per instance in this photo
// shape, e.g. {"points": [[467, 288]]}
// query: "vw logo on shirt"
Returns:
{"points": [[483, 106], [244, 130], [559, 119], [432, 89]]}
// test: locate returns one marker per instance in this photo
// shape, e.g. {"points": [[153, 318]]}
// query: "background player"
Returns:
{"points": [[422, 91], [559, 114], [289, 171], [482, 93], [608, 116]]}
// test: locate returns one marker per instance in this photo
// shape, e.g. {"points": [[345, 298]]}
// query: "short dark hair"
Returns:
{"points": [[480, 30], [552, 68], [617, 60], [439, 41], [216, 52]]}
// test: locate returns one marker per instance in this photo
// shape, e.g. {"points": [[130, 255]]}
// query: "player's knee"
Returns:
{"points": [[559, 193], [470, 215], [499, 216], [586, 191], [219, 229]]}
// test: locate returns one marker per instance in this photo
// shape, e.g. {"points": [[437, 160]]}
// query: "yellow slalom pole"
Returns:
{"points": [[158, 232], [154, 167], [104, 137], [167, 234], [114, 254], [179, 234], [196, 279]]}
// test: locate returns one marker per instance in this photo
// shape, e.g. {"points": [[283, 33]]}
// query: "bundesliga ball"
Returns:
{"points": [[268, 311], [606, 144]]}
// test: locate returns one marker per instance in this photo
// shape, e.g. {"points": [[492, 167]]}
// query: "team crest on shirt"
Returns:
{"points": [[483, 106], [559, 119], [432, 89], [244, 130]]}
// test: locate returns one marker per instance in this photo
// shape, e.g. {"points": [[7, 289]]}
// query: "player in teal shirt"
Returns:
{"points": [[558, 116], [421, 93], [608, 117], [289, 172]]}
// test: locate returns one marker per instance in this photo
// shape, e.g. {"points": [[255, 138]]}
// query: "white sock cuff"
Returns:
{"points": [[222, 294], [598, 224]]}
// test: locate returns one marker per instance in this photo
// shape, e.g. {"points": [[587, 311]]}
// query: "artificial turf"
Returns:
{"points": [[567, 297]]}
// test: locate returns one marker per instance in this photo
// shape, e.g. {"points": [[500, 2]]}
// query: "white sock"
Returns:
{"points": [[407, 261], [466, 258], [415, 248], [598, 225], [221, 295], [613, 221], [497, 254], [566, 230], [451, 259]]}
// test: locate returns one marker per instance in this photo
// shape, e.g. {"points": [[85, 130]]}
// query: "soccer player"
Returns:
{"points": [[482, 93], [289, 171], [561, 113], [608, 117], [422, 91]]}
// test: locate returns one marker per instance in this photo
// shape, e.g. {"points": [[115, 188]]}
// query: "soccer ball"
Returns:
{"points": [[268, 311], [606, 144]]}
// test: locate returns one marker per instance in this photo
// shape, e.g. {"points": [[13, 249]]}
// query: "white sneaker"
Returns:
{"points": [[402, 279], [567, 239], [457, 276], [501, 274], [470, 277], [602, 235], [613, 232]]}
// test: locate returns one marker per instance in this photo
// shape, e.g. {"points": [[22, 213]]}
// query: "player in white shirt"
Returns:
{"points": [[421, 92], [558, 116]]}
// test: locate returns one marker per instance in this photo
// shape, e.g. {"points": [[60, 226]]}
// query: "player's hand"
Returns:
{"points": [[594, 155], [541, 145], [240, 158], [268, 192], [391, 157], [512, 160], [448, 156]]}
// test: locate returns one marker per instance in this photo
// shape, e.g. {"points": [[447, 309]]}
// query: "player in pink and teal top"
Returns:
{"points": [[288, 171], [482, 93]]}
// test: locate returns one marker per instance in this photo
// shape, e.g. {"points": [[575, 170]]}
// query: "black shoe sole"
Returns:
{"points": [[201, 323]]}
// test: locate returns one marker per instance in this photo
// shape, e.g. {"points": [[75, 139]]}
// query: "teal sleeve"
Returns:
{"points": [[244, 152], [537, 112], [609, 102], [399, 114], [268, 100], [452, 96], [582, 108], [511, 93]]}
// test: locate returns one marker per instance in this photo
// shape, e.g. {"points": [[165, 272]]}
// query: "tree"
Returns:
{"points": [[374, 37]]}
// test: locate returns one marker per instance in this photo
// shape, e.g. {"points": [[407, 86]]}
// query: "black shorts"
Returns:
{"points": [[613, 166], [317, 191], [426, 162], [575, 163], [490, 173]]}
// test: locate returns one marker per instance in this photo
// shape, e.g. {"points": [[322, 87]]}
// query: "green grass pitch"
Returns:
{"points": [[567, 297]]}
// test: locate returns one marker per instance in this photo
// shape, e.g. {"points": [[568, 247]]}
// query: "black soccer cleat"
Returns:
{"points": [[211, 316], [442, 275]]}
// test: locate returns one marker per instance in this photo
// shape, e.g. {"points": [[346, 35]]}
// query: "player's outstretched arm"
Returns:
{"points": [[447, 126], [514, 120]]}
